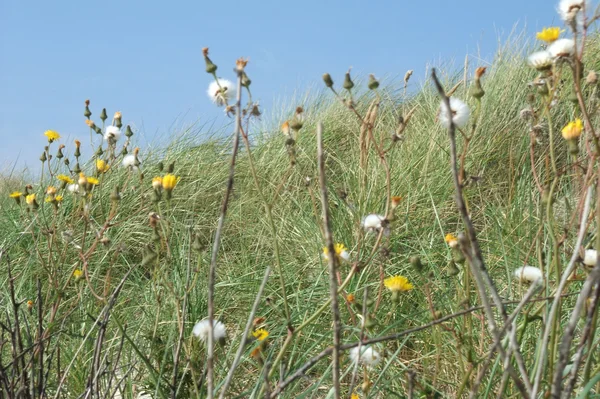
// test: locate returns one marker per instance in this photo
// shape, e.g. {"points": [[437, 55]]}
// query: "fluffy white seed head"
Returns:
{"points": [[540, 60], [460, 113], [528, 274], [74, 188], [221, 93], [129, 160], [562, 48], [373, 222], [201, 330], [112, 132], [591, 257], [367, 356], [572, 10]]}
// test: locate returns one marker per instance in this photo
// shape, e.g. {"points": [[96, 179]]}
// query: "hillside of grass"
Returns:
{"points": [[164, 248]]}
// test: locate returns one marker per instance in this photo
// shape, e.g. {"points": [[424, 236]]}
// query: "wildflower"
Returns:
{"points": [[169, 181], [58, 198], [102, 166], [77, 152], [93, 181], [373, 222], [367, 356], [74, 188], [572, 130], [157, 183], [354, 396], [129, 161], [327, 79], [451, 240], [201, 330], [396, 201], [51, 135], [591, 257], [65, 179], [221, 91], [90, 123], [397, 284], [17, 196], [112, 133], [476, 90], [528, 274], [460, 113], [350, 298], [30, 199], [261, 334], [569, 9], [562, 48], [341, 252], [82, 180], [548, 35], [240, 64], [210, 67], [30, 304], [77, 274]]}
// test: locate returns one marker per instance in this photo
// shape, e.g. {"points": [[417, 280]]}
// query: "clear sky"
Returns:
{"points": [[144, 57]]}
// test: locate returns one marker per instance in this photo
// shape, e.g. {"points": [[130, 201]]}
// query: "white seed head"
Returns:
{"points": [[373, 222], [367, 356], [74, 188], [562, 48], [540, 60], [528, 274], [201, 330], [460, 113], [129, 160], [591, 257], [112, 132], [221, 93], [569, 10]]}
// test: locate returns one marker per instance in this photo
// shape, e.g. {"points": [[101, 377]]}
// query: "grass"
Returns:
{"points": [[503, 202]]}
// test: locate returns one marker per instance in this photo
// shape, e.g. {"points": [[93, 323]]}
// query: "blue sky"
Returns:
{"points": [[144, 57]]}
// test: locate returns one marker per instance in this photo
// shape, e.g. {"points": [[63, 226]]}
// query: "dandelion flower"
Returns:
{"points": [[30, 199], [562, 48], [77, 274], [201, 330], [540, 60], [157, 183], [58, 198], [261, 334], [285, 128], [74, 188], [65, 179], [51, 190], [112, 133], [341, 252], [569, 9], [30, 304], [222, 92], [169, 181], [367, 356], [129, 160], [51, 135], [397, 284], [460, 113], [93, 181], [591, 257], [451, 240], [373, 222], [15, 194], [102, 166], [354, 396], [572, 130], [528, 274], [548, 35]]}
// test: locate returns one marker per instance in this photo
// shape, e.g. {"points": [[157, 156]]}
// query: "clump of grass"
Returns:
{"points": [[375, 257]]}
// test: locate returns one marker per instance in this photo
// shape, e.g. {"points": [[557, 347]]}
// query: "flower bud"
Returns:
{"points": [[210, 67], [43, 157], [373, 83], [348, 83], [246, 80], [87, 113], [59, 153], [171, 167], [128, 131], [103, 115], [327, 79]]}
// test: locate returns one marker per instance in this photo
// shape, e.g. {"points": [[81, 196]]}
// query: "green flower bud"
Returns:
{"points": [[327, 79], [128, 131], [43, 157], [103, 115], [373, 83], [348, 83]]}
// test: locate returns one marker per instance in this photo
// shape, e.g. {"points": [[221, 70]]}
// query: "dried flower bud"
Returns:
{"points": [[210, 67], [348, 83], [327, 79], [240, 64], [90, 123], [245, 80], [592, 78], [407, 76], [373, 83], [103, 115], [87, 113]]}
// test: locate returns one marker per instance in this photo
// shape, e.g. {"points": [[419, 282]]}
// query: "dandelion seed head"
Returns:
{"points": [[201, 330], [528, 274], [222, 92], [460, 113]]}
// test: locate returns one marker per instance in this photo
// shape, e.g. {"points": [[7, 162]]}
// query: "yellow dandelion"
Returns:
{"points": [[58, 198], [77, 274], [157, 183], [261, 334], [15, 194], [169, 181], [102, 166], [65, 179], [51, 135], [549, 35], [397, 284], [354, 396], [49, 199], [451, 240], [341, 252], [30, 304], [93, 180], [350, 298], [572, 130], [30, 199]]}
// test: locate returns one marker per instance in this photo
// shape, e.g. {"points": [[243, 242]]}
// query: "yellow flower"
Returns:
{"points": [[101, 166], [549, 35], [15, 194], [261, 334], [572, 130], [396, 201], [30, 304], [350, 298], [285, 128], [49, 199], [397, 284], [451, 240], [169, 182], [77, 274], [341, 252], [157, 183], [65, 179], [93, 180], [51, 190], [51, 135], [354, 396], [30, 199], [58, 198]]}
